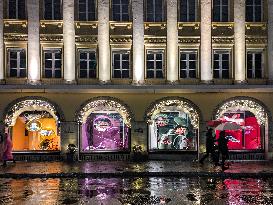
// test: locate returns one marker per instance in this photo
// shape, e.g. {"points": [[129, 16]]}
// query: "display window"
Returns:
{"points": [[104, 131]]}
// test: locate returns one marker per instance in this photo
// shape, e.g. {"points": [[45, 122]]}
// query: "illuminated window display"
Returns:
{"points": [[104, 131], [35, 131]]}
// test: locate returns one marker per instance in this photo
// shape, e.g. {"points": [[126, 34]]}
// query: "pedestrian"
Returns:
{"points": [[7, 150], [223, 148], [210, 147]]}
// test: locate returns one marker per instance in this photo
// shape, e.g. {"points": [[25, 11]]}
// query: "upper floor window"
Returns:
{"points": [[88, 64], [120, 10], [221, 64], [254, 64], [220, 10], [188, 64], [52, 63], [52, 9], [253, 10], [16, 63], [16, 9], [121, 64], [87, 10], [154, 10], [188, 10], [155, 67]]}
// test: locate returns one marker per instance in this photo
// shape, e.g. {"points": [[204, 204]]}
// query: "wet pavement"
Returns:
{"points": [[131, 169]]}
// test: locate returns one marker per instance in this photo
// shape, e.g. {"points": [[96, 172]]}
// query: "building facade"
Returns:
{"points": [[110, 75]]}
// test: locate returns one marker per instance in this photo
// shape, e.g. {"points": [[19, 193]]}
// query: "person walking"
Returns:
{"points": [[223, 148], [7, 150], [210, 147]]}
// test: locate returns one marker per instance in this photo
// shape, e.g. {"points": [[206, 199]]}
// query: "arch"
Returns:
{"points": [[109, 103], [20, 105], [173, 124]]}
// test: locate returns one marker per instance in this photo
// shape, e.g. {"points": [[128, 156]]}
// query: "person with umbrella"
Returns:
{"points": [[210, 147], [223, 147]]}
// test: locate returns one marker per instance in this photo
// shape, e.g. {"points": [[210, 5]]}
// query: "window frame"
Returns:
{"points": [[256, 51], [86, 14], [154, 14], [112, 12], [7, 72], [222, 51], [188, 13], [253, 17], [221, 11], [189, 51], [120, 51], [53, 10], [17, 10], [155, 51], [53, 69], [79, 61]]}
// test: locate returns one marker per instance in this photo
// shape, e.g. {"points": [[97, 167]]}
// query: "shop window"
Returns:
{"points": [[220, 10], [221, 61], [105, 131], [155, 64], [120, 64], [35, 131], [120, 10], [254, 10], [87, 10], [188, 10], [52, 63], [254, 64], [88, 63], [52, 9], [172, 130], [16, 9], [16, 63], [155, 11], [188, 64]]}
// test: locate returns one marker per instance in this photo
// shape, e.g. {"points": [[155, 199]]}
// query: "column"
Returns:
{"points": [[1, 43], [138, 42], [270, 40], [239, 40], [104, 41], [33, 42], [206, 68], [172, 42], [69, 41]]}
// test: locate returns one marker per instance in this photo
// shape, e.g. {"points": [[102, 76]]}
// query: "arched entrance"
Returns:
{"points": [[34, 125], [104, 126], [173, 125], [252, 115]]}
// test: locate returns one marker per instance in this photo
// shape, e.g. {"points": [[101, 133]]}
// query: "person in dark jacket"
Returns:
{"points": [[210, 147], [223, 147]]}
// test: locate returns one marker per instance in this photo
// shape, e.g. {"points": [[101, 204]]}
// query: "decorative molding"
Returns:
{"points": [[262, 25], [223, 40], [195, 25], [155, 40], [188, 40], [153, 24], [50, 37], [120, 39], [228, 25], [15, 37], [45, 23], [256, 40], [84, 38], [92, 24], [9, 22], [126, 25]]}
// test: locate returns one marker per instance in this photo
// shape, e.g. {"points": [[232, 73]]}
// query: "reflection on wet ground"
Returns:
{"points": [[136, 191]]}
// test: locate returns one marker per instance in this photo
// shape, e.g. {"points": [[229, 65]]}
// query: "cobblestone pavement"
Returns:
{"points": [[128, 169]]}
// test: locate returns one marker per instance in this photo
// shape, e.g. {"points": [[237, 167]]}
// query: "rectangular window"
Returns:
{"points": [[16, 63], [188, 10], [221, 64], [220, 10], [16, 9], [120, 10], [88, 64], [155, 64], [188, 64], [52, 9], [154, 10], [87, 10], [254, 10], [121, 64], [52, 63], [254, 64]]}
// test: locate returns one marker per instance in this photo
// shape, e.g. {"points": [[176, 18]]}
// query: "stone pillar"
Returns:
{"points": [[138, 42], [206, 68], [33, 56], [104, 41], [172, 42], [270, 40], [69, 41], [239, 41], [1, 42]]}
